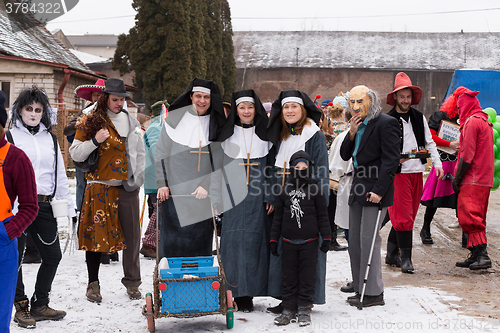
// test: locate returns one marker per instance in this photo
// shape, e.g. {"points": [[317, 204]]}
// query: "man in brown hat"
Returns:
{"points": [[408, 183]]}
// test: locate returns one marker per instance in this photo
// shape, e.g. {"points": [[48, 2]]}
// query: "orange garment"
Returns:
{"points": [[5, 205]]}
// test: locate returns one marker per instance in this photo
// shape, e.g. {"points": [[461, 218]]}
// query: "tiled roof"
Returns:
{"points": [[375, 50], [24, 37]]}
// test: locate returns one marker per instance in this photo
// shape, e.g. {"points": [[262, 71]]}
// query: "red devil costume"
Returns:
{"points": [[474, 178]]}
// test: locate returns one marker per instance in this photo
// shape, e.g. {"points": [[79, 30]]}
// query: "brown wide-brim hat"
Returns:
{"points": [[402, 81], [85, 91]]}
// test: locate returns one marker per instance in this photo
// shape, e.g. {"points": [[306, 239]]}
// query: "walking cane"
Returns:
{"points": [[375, 231]]}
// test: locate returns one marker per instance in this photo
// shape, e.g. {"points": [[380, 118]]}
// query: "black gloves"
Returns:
{"points": [[274, 249], [325, 246]]}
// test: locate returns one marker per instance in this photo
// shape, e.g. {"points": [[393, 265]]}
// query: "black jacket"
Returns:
{"points": [[310, 214], [378, 156]]}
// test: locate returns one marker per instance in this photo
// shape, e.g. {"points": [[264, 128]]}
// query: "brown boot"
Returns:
{"points": [[45, 312], [133, 292], [94, 292], [23, 316]]}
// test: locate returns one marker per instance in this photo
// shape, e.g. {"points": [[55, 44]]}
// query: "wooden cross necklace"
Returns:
{"points": [[248, 164], [284, 173], [199, 152]]}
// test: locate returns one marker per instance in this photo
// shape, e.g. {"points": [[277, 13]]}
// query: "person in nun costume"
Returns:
{"points": [[246, 227], [183, 170], [293, 126]]}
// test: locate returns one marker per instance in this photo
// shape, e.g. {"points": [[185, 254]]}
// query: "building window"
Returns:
{"points": [[5, 86]]}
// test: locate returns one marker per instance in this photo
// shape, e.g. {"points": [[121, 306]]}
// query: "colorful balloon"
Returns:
{"points": [[496, 183], [495, 134], [492, 113], [496, 126], [497, 165]]}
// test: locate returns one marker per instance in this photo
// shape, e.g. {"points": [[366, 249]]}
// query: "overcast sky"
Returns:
{"points": [[117, 16]]}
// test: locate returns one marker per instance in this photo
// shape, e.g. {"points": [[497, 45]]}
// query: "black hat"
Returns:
{"points": [[3, 112], [260, 120], [274, 125], [116, 87], [300, 156], [216, 110]]}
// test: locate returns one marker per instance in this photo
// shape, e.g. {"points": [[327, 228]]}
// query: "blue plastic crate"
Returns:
{"points": [[190, 296], [186, 262], [178, 273]]}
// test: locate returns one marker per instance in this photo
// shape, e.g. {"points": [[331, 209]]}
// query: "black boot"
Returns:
{"points": [[483, 261], [392, 256], [425, 233], [471, 258], [245, 303], [105, 259], [405, 246], [334, 245], [464, 240]]}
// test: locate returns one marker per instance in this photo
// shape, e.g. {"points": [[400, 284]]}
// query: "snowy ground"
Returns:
{"points": [[408, 308]]}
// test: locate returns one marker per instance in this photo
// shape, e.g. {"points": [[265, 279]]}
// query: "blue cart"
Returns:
{"points": [[189, 287]]}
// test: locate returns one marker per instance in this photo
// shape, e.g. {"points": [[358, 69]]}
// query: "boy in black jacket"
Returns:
{"points": [[300, 216]]}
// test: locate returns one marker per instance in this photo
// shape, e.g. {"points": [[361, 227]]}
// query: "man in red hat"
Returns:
{"points": [[474, 177], [408, 183]]}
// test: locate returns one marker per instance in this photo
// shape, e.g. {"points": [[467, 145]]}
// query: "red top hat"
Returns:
{"points": [[401, 82], [85, 91]]}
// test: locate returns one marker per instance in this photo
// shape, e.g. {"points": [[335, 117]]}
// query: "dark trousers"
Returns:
{"points": [[80, 188], [43, 231], [151, 201], [128, 214], [299, 274]]}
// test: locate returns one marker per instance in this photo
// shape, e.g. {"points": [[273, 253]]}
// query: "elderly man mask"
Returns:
{"points": [[359, 101]]}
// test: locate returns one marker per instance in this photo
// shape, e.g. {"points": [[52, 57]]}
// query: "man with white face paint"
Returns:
{"points": [[415, 134], [373, 145]]}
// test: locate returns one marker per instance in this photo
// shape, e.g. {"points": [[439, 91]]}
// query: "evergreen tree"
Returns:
{"points": [[228, 62], [174, 41], [157, 48], [198, 54], [213, 42]]}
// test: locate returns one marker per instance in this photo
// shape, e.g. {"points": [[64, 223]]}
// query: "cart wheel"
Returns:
{"points": [[229, 315], [150, 314]]}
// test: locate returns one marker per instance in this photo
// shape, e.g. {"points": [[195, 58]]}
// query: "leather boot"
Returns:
{"points": [[425, 233], [483, 261], [392, 256], [471, 258], [334, 244], [405, 246], [23, 316], [464, 240], [406, 264]]}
